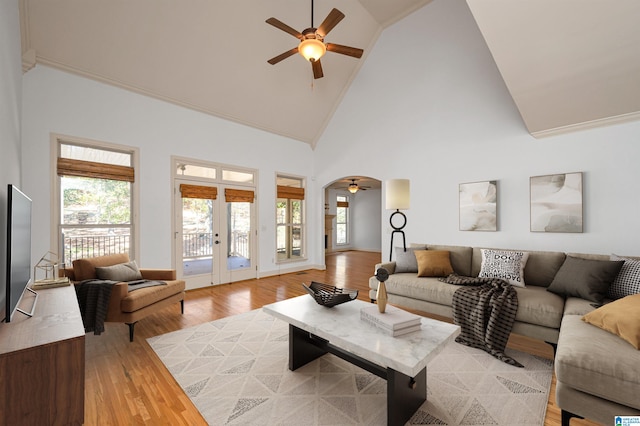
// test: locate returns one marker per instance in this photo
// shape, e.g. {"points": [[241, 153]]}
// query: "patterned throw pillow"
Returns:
{"points": [[503, 264], [627, 281]]}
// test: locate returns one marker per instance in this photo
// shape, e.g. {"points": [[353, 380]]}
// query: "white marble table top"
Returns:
{"points": [[342, 326]]}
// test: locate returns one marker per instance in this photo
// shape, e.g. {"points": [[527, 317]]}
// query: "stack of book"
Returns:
{"points": [[393, 321], [49, 283]]}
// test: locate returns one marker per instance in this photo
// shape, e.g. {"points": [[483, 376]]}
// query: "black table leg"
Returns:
{"points": [[404, 395], [301, 348]]}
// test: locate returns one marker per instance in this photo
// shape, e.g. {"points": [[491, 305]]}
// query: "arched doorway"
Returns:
{"points": [[353, 214]]}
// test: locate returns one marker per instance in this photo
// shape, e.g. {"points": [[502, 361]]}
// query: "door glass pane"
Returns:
{"points": [[235, 176], [197, 236], [296, 238], [196, 171], [238, 227]]}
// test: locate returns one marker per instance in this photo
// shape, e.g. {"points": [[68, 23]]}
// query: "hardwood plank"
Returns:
{"points": [[127, 384]]}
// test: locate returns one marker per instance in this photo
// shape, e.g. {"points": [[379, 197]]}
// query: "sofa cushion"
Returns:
{"points": [[121, 272], [627, 281], [422, 288], [621, 317], [406, 260], [540, 269], [538, 306], [597, 362], [504, 264], [85, 269], [144, 297], [578, 306], [460, 257], [433, 263], [585, 278]]}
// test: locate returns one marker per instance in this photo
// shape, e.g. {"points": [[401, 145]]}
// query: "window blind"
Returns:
{"points": [[238, 195], [198, 191], [290, 192], [81, 168]]}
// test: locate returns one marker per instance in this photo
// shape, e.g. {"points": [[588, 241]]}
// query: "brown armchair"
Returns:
{"points": [[131, 306]]}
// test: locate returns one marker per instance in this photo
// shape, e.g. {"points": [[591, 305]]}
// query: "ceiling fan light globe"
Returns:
{"points": [[353, 188], [312, 49]]}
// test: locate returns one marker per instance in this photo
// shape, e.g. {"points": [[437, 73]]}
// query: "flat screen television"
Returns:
{"points": [[18, 266]]}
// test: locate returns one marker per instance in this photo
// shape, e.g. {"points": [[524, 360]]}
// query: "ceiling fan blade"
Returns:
{"points": [[283, 56], [284, 27], [317, 69], [345, 50], [329, 22]]}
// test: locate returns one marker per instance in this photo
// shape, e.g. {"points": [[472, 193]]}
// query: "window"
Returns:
{"points": [[95, 203], [290, 218], [342, 220]]}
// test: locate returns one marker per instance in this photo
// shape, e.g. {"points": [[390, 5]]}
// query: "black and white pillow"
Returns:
{"points": [[627, 281], [504, 264]]}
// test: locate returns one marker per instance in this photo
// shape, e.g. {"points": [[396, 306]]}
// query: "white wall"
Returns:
{"points": [[429, 105], [10, 116], [62, 103], [366, 233]]}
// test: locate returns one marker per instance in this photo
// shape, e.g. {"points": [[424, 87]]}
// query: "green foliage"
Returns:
{"points": [[96, 201]]}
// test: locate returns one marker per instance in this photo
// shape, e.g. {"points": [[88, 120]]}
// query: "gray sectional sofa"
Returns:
{"points": [[597, 372]]}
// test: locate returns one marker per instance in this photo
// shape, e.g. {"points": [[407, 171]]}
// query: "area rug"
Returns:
{"points": [[235, 370]]}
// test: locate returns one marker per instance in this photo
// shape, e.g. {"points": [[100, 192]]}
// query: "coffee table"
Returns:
{"points": [[315, 330]]}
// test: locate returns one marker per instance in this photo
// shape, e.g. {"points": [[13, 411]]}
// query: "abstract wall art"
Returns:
{"points": [[478, 206], [556, 203]]}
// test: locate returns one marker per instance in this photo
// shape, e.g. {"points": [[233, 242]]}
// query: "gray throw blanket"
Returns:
{"points": [[93, 298], [485, 309]]}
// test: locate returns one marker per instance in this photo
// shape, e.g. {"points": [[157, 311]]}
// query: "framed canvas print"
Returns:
{"points": [[556, 203], [478, 206]]}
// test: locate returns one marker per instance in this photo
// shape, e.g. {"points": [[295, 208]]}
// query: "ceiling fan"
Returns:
{"points": [[354, 187], [312, 46]]}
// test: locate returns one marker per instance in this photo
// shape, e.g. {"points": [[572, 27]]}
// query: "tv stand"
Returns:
{"points": [[42, 362]]}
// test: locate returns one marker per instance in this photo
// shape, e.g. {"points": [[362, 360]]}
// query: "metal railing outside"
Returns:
{"points": [[92, 246]]}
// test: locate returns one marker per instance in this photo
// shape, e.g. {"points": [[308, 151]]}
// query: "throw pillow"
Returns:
{"points": [[121, 272], [406, 260], [620, 317], [507, 265], [588, 279], [628, 280], [433, 263]]}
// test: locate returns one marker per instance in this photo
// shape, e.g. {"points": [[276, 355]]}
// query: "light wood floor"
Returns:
{"points": [[127, 384]]}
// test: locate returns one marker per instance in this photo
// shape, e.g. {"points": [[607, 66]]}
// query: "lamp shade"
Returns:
{"points": [[397, 194], [312, 49]]}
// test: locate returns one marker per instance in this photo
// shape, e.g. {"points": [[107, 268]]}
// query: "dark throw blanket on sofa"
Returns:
{"points": [[485, 309], [93, 298]]}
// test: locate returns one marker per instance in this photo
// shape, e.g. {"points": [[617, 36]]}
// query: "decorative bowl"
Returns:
{"points": [[328, 295]]}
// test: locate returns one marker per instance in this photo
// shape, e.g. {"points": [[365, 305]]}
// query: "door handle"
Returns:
{"points": [[217, 242]]}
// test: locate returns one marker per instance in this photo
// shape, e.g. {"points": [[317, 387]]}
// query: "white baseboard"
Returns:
{"points": [[289, 270]]}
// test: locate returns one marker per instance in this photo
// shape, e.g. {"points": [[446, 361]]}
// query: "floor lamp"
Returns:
{"points": [[397, 198]]}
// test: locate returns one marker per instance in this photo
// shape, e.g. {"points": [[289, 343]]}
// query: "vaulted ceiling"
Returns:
{"points": [[568, 64]]}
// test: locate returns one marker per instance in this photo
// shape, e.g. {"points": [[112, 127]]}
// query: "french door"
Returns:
{"points": [[214, 233]]}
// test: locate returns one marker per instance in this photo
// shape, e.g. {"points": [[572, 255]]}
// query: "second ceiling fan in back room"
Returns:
{"points": [[312, 46]]}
